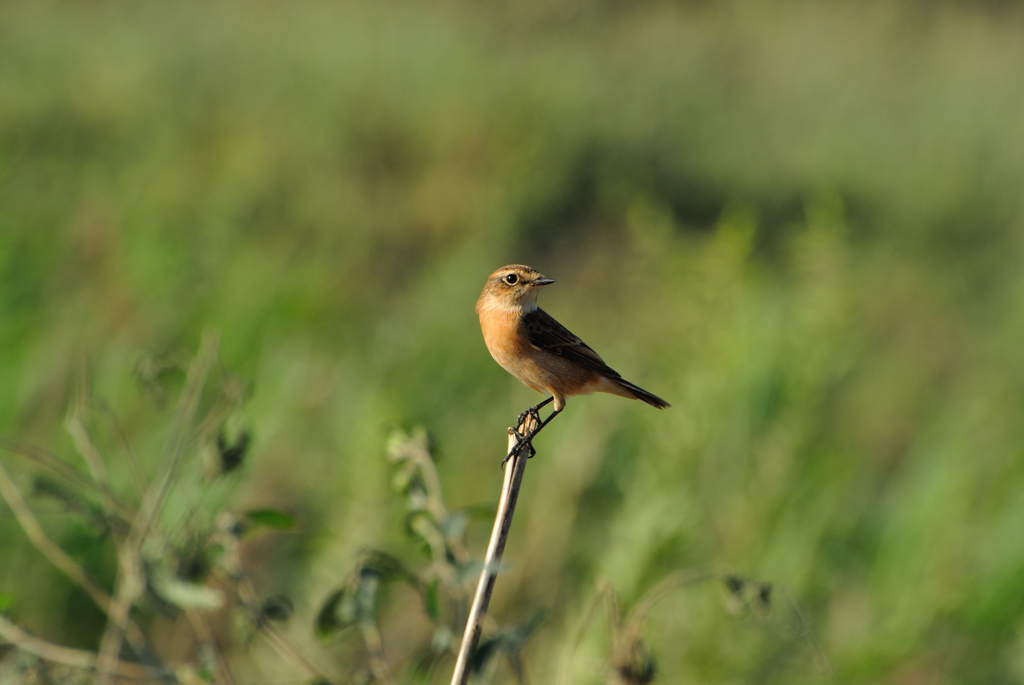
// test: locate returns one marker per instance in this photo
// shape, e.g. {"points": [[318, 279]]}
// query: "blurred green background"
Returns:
{"points": [[799, 222]]}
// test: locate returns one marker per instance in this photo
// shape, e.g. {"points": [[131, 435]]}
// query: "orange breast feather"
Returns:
{"points": [[507, 346]]}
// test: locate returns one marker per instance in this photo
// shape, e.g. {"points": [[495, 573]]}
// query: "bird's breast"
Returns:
{"points": [[501, 335]]}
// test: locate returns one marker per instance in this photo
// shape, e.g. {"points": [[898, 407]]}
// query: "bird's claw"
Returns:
{"points": [[521, 441], [524, 441], [531, 412], [523, 436]]}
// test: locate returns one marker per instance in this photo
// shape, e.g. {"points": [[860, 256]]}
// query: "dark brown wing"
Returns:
{"points": [[544, 333]]}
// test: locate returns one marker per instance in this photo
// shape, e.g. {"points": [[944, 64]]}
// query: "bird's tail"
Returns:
{"points": [[642, 394]]}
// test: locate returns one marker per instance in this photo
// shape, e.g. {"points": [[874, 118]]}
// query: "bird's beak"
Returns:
{"points": [[544, 280]]}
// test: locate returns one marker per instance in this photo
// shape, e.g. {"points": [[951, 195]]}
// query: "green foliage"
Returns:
{"points": [[176, 566], [270, 518], [357, 601], [509, 641]]}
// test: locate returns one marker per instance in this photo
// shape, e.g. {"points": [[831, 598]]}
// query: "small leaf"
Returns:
{"points": [[184, 594], [270, 518], [515, 637], [333, 616], [424, 665], [232, 454], [195, 562], [510, 640], [432, 600], [735, 584], [401, 481], [639, 667], [277, 608], [442, 640], [396, 445], [484, 652], [401, 445], [735, 599], [764, 597], [366, 596], [413, 522], [357, 600], [386, 567], [454, 526], [6, 601], [48, 487], [73, 501]]}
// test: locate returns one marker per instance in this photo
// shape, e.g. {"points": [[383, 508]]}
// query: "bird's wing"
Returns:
{"points": [[544, 333]]}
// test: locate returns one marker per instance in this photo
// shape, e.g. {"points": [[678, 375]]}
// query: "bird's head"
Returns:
{"points": [[512, 287]]}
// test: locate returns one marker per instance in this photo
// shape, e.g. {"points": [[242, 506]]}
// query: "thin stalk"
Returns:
{"points": [[77, 658], [515, 467]]}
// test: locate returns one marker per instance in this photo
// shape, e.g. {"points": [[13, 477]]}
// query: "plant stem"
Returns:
{"points": [[12, 634], [514, 470]]}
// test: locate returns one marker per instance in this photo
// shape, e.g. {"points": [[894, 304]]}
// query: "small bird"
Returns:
{"points": [[542, 353]]}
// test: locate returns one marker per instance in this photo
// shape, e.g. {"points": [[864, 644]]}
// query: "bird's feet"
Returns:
{"points": [[532, 411], [523, 441], [535, 424], [524, 437]]}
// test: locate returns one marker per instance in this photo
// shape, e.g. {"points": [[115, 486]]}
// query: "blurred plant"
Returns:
{"points": [[441, 584], [189, 570], [195, 569], [442, 587], [629, 660]]}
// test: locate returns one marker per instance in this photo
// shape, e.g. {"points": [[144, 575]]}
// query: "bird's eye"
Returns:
{"points": [[511, 279]]}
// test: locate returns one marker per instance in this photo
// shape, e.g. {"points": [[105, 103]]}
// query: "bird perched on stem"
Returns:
{"points": [[542, 353]]}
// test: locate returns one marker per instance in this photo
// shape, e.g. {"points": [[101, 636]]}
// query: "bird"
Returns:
{"points": [[543, 354]]}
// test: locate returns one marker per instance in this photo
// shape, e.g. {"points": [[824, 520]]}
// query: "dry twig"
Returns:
{"points": [[75, 426], [69, 474], [77, 658], [130, 574], [138, 475], [46, 546], [515, 468]]}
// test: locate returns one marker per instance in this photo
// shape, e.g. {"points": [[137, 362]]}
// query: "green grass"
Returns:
{"points": [[799, 223]]}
